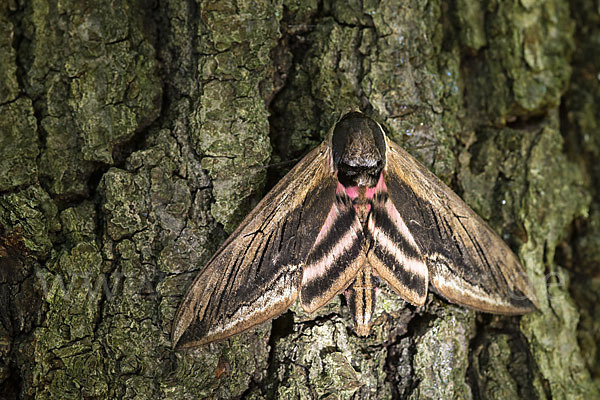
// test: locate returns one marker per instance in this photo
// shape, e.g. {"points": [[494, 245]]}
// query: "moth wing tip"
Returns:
{"points": [[175, 339], [524, 298], [309, 307], [528, 305], [186, 341], [419, 301], [186, 345]]}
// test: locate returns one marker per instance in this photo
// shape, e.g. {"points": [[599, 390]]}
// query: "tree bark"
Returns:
{"points": [[135, 135]]}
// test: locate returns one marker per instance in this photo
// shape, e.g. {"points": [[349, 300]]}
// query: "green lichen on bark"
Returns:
{"points": [[71, 287], [555, 196], [92, 73], [525, 60], [229, 122], [441, 358], [18, 141], [34, 214], [324, 80], [323, 358], [536, 184], [546, 192], [68, 334], [582, 128], [9, 86], [410, 79], [221, 370], [502, 369]]}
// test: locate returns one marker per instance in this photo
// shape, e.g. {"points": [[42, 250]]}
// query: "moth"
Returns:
{"points": [[356, 210]]}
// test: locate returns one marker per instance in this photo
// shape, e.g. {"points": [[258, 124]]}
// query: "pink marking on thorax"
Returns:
{"points": [[381, 186], [351, 191], [370, 192], [354, 191]]}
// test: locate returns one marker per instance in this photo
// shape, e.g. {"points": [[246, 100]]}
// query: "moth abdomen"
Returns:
{"points": [[360, 297]]}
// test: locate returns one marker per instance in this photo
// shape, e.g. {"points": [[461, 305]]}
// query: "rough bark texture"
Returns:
{"points": [[135, 135]]}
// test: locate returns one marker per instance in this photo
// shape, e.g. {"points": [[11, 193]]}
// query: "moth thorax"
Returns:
{"points": [[358, 146]]}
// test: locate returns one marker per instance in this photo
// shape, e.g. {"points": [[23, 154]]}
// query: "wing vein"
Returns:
{"points": [[262, 256]]}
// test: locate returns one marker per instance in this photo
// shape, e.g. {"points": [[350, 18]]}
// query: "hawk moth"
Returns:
{"points": [[355, 210]]}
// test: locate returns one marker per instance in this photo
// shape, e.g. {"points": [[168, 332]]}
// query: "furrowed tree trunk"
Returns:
{"points": [[134, 136]]}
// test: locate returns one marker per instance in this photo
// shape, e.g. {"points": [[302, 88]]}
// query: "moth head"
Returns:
{"points": [[358, 149]]}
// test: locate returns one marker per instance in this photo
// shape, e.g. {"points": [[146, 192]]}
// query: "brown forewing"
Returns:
{"points": [[256, 274], [468, 262]]}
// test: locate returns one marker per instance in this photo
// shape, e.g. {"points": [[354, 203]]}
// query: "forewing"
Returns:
{"points": [[256, 274], [468, 262]]}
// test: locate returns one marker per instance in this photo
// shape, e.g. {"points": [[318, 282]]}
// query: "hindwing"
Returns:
{"points": [[394, 253], [336, 257]]}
